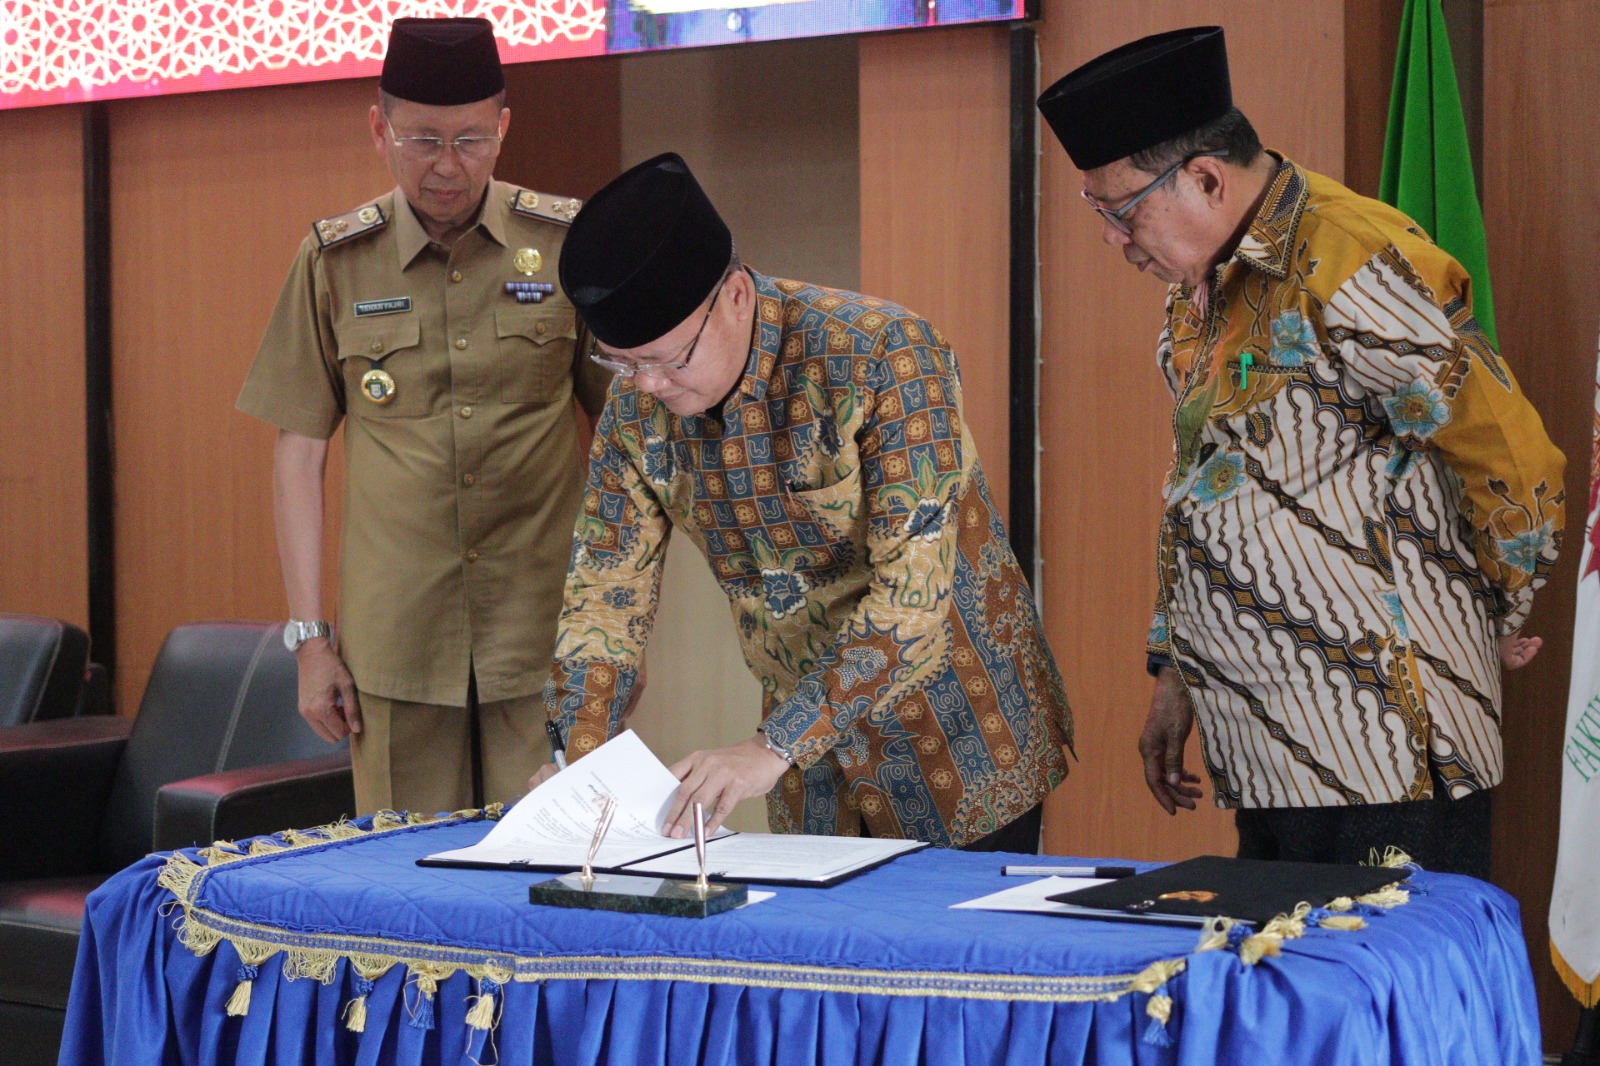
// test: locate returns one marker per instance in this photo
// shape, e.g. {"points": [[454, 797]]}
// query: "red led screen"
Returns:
{"points": [[67, 51]]}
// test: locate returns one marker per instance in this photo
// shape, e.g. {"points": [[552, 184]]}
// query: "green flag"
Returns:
{"points": [[1427, 164]]}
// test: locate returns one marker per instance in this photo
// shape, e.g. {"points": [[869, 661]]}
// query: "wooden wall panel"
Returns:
{"points": [[211, 195], [565, 136], [935, 217], [788, 191], [1106, 416], [1541, 193], [44, 548]]}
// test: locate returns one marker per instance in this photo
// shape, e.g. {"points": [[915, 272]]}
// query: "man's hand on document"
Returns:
{"points": [[718, 779]]}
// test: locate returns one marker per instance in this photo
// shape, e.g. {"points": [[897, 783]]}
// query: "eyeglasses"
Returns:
{"points": [[628, 369], [427, 149], [1119, 217]]}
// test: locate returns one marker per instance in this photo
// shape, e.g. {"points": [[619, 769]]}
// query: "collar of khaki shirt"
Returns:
{"points": [[411, 238]]}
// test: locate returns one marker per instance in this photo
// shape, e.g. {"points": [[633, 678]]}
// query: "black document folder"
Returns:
{"points": [[1250, 890]]}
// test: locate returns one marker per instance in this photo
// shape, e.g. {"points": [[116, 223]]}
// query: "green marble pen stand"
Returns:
{"points": [[640, 895]]}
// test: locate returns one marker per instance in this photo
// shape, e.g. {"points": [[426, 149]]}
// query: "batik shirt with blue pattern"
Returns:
{"points": [[838, 498]]}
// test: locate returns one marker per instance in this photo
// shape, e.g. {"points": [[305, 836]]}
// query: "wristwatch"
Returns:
{"points": [[781, 753], [297, 633]]}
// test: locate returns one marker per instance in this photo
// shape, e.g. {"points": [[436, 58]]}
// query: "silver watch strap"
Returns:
{"points": [[781, 753]]}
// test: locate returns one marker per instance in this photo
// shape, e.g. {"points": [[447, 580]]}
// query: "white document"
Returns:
{"points": [[551, 827], [786, 857]]}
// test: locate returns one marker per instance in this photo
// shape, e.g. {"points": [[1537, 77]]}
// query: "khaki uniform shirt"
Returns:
{"points": [[838, 497], [462, 489], [1361, 502]]}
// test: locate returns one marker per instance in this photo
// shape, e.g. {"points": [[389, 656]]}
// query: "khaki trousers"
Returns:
{"points": [[418, 756]]}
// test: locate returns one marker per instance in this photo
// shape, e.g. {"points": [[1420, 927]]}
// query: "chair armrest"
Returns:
{"points": [[54, 780], [243, 803]]}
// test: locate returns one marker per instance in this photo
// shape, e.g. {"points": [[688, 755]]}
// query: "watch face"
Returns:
{"points": [[291, 636]]}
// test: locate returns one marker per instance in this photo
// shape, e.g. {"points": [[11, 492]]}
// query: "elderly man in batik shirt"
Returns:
{"points": [[812, 444], [1362, 501]]}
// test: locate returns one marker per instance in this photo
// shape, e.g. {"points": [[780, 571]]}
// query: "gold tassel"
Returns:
{"points": [[1159, 1008], [1388, 896], [386, 820], [1394, 858], [481, 1015], [1288, 926], [1258, 947], [1340, 904], [355, 1015], [1155, 975], [239, 1002], [1347, 922]]}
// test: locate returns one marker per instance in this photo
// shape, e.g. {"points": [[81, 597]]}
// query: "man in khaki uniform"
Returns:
{"points": [[430, 322]]}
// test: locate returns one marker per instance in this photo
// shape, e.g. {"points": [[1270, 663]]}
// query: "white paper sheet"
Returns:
{"points": [[553, 824], [779, 857]]}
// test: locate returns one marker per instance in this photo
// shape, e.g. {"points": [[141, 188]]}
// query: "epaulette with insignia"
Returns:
{"points": [[542, 205], [341, 228]]}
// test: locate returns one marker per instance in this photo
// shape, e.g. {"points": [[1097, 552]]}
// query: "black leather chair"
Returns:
{"points": [[42, 663], [218, 752]]}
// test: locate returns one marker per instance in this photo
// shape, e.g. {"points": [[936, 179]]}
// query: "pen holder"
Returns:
{"points": [[587, 890], [639, 895]]}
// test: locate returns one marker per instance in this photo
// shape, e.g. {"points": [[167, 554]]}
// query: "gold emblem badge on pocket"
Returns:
{"points": [[528, 261], [378, 385]]}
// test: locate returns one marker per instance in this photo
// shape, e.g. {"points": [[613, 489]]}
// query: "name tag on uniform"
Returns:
{"points": [[393, 305]]}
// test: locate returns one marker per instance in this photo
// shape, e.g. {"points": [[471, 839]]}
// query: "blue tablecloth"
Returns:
{"points": [[876, 970]]}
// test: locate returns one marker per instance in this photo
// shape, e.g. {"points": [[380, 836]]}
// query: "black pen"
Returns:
{"points": [[1104, 872], [558, 747]]}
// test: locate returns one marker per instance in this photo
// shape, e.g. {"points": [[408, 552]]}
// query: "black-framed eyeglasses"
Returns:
{"points": [[629, 369], [1119, 217]]}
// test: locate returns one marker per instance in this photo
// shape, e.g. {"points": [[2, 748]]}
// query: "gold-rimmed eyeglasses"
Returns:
{"points": [[426, 149]]}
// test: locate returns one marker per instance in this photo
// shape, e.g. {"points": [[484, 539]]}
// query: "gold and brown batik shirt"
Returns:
{"points": [[1361, 502], [462, 485], [838, 498]]}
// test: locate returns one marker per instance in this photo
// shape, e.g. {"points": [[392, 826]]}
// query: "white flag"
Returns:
{"points": [[1575, 903]]}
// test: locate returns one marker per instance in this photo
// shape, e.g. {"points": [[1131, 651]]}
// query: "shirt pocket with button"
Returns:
{"points": [[829, 522], [535, 352], [389, 344]]}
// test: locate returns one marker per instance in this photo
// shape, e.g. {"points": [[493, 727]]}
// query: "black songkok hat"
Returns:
{"points": [[442, 62], [1140, 95], [644, 252]]}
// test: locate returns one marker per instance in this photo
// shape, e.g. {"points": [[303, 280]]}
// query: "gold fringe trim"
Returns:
{"points": [[1587, 993], [201, 931]]}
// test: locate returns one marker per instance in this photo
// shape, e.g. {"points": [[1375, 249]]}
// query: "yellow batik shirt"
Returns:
{"points": [[838, 497], [1361, 502]]}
